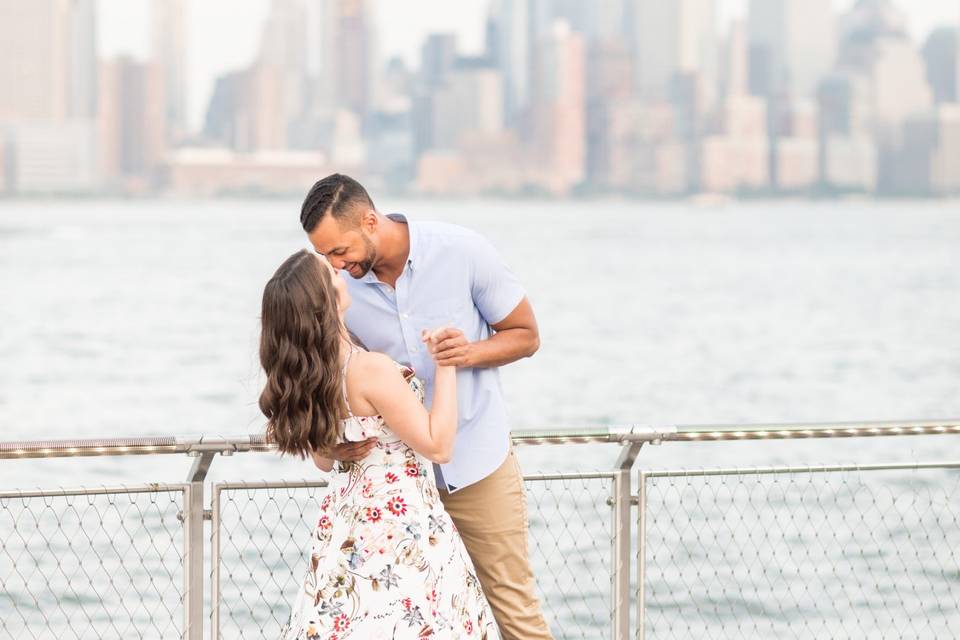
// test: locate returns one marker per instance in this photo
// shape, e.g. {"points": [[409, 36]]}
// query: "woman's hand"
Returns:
{"points": [[447, 346]]}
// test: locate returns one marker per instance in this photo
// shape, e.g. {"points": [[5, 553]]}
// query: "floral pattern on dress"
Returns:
{"points": [[386, 560]]}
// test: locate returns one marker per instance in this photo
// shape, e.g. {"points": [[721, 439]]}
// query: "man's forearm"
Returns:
{"points": [[503, 347]]}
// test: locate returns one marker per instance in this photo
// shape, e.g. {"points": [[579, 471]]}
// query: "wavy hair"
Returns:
{"points": [[300, 354]]}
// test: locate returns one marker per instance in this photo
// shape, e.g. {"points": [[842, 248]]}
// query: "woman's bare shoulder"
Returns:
{"points": [[374, 363]]}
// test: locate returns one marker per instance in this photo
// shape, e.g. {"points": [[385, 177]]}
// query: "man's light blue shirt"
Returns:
{"points": [[453, 277]]}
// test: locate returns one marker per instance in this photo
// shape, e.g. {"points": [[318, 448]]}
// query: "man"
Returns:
{"points": [[407, 276]]}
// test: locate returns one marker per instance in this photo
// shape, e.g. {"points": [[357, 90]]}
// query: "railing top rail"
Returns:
{"points": [[694, 433], [622, 434]]}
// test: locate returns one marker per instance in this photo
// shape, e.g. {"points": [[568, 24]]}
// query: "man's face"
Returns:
{"points": [[346, 245]]}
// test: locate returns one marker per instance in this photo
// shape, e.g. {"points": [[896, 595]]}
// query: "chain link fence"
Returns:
{"points": [[830, 552], [92, 563], [261, 549], [571, 535]]}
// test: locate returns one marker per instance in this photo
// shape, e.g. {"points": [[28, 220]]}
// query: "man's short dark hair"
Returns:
{"points": [[337, 194]]}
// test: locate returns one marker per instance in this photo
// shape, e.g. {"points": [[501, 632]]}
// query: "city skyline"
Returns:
{"points": [[123, 30], [638, 97]]}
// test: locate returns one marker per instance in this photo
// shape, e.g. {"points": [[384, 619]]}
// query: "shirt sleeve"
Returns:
{"points": [[495, 289]]}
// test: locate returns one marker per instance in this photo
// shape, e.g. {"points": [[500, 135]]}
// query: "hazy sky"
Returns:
{"points": [[224, 34]]}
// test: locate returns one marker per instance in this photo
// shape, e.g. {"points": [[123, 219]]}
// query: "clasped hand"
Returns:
{"points": [[448, 347]]}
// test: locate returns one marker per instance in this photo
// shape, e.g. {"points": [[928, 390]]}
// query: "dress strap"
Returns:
{"points": [[346, 363]]}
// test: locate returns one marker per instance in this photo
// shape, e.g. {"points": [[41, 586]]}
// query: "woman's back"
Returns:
{"points": [[385, 554]]}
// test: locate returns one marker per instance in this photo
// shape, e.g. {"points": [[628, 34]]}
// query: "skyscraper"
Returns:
{"points": [[47, 66], [875, 44], [437, 58], [321, 65], [246, 111], [49, 79], [792, 45], [280, 70], [927, 160], [734, 155], [597, 21], [283, 44], [169, 42], [609, 91], [82, 100], [671, 40], [132, 138], [558, 122], [341, 57], [735, 61], [512, 20], [941, 54], [470, 104], [848, 151], [356, 49]]}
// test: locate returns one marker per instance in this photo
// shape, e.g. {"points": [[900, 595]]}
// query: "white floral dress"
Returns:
{"points": [[386, 560]]}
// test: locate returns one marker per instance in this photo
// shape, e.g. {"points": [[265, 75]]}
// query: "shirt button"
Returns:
{"points": [[404, 315]]}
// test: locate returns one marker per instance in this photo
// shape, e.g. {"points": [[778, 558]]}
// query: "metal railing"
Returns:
{"points": [[106, 560], [716, 551], [835, 551]]}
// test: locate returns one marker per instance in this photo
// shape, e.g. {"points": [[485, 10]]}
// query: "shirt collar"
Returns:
{"points": [[413, 232], [412, 255]]}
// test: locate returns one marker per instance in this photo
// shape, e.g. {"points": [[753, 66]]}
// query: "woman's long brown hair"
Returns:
{"points": [[300, 353]]}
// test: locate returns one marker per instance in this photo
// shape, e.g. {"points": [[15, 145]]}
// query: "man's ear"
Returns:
{"points": [[369, 221]]}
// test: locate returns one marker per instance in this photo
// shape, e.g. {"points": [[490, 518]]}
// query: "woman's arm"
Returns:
{"points": [[429, 433], [323, 463]]}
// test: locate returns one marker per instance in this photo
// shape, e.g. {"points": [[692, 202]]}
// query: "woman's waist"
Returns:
{"points": [[388, 465], [376, 484]]}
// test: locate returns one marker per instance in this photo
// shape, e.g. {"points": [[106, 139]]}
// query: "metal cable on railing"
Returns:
{"points": [[794, 552], [106, 562]]}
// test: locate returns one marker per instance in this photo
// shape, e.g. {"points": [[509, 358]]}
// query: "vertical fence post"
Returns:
{"points": [[193, 517], [641, 555], [215, 563], [620, 605]]}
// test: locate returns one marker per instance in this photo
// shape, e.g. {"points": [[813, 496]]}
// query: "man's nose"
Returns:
{"points": [[337, 263]]}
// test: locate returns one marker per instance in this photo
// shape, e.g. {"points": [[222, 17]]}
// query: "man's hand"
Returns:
{"points": [[450, 348], [351, 451]]}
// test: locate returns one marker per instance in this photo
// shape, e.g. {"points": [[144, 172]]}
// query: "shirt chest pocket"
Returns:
{"points": [[443, 312]]}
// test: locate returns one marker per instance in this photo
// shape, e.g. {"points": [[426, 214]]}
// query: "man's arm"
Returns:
{"points": [[350, 451], [516, 337]]}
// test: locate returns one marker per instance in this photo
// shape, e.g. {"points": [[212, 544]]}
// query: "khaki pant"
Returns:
{"points": [[491, 516]]}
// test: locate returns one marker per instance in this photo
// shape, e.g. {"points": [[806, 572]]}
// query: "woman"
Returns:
{"points": [[386, 560]]}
